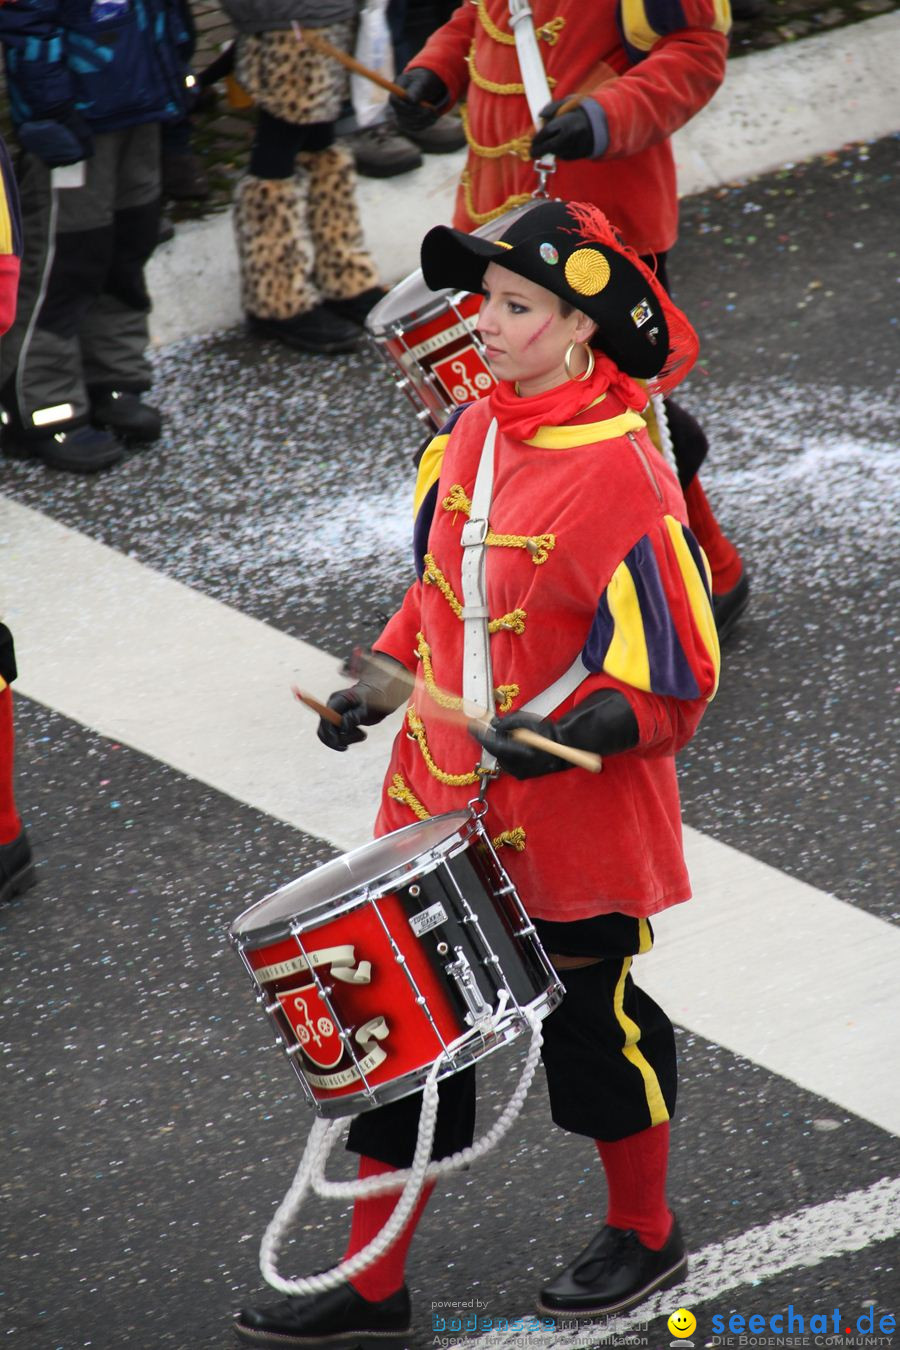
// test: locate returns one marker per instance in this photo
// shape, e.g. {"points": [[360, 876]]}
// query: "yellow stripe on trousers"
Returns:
{"points": [[632, 1052]]}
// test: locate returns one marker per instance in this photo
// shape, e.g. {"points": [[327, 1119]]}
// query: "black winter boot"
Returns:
{"points": [[126, 416], [77, 450], [319, 330]]}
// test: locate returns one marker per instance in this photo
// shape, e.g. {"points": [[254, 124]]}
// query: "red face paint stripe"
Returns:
{"points": [[545, 325]]}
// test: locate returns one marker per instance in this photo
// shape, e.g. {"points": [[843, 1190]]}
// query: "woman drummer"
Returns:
{"points": [[594, 628]]}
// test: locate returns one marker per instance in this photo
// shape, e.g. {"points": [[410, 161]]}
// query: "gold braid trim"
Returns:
{"points": [[504, 694], [400, 792], [417, 727], [515, 838], [456, 500], [492, 86], [423, 651], [433, 576], [514, 621], [539, 546], [520, 145], [482, 217], [549, 31]]}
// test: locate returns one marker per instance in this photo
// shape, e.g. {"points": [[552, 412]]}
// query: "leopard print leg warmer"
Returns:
{"points": [[343, 265], [275, 250]]}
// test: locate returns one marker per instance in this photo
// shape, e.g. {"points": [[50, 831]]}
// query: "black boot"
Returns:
{"points": [[16, 867], [615, 1272], [339, 1318], [357, 307], [124, 414], [78, 449], [316, 331]]}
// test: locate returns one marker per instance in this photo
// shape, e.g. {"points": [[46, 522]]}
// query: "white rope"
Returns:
{"points": [[320, 1142], [311, 1173], [662, 422]]}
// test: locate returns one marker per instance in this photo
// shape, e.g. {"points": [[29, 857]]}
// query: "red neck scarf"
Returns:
{"points": [[520, 417]]}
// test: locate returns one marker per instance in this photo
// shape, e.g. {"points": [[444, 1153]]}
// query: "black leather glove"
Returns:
{"points": [[603, 723], [383, 687], [568, 137], [353, 711], [421, 85], [62, 137]]}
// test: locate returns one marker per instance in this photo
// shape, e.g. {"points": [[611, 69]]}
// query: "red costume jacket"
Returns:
{"points": [[651, 64], [588, 552]]}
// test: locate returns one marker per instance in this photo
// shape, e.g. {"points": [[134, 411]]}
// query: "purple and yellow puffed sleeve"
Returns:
{"points": [[654, 634]]}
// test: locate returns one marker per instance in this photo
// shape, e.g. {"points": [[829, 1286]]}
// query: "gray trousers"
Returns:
{"points": [[81, 326]]}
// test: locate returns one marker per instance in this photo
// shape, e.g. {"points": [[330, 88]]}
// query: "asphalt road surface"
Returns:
{"points": [[152, 1126]]}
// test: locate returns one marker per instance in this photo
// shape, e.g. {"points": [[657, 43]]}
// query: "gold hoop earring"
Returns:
{"points": [[590, 361]]}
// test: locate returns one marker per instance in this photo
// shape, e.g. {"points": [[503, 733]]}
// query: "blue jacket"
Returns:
{"points": [[118, 71]]}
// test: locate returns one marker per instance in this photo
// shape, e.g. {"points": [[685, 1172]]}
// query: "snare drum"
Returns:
{"points": [[430, 336], [374, 964]]}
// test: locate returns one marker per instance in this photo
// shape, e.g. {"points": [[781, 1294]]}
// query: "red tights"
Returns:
{"points": [[635, 1170], [10, 824], [370, 1215]]}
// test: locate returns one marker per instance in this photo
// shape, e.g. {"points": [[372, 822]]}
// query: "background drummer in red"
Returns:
{"points": [[645, 67], [597, 622]]}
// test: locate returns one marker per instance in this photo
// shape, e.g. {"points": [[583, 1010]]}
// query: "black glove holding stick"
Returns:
{"points": [[383, 685], [567, 133], [602, 724], [427, 97]]}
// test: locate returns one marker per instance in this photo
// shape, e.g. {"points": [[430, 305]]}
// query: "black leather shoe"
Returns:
{"points": [[317, 331], [340, 1318], [16, 867], [126, 416], [615, 1272], [728, 607], [81, 450]]}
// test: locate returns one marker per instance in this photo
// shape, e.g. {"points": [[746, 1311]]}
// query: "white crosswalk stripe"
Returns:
{"points": [[820, 1232]]}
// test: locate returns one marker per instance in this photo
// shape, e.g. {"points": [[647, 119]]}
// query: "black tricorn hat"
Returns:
{"points": [[571, 249]]}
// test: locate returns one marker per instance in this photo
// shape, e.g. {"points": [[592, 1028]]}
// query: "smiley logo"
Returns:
{"points": [[682, 1323]]}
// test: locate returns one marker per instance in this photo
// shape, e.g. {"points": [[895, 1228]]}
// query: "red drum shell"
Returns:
{"points": [[430, 337], [373, 964]]}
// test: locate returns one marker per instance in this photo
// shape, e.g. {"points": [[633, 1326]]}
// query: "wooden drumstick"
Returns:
{"points": [[322, 709], [313, 38], [582, 759]]}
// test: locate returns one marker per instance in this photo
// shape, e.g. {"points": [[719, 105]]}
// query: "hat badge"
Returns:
{"points": [[587, 271], [549, 253]]}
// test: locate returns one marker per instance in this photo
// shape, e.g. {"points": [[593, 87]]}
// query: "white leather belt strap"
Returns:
{"points": [[477, 680], [534, 77], [556, 693]]}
